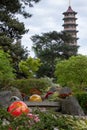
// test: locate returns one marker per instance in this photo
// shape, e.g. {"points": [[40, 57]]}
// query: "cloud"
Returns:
{"points": [[47, 16]]}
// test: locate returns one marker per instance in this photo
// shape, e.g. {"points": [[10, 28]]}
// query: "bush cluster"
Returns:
{"points": [[82, 99], [24, 85], [48, 121]]}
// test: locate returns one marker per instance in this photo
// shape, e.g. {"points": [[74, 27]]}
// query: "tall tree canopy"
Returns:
{"points": [[11, 29], [9, 23], [50, 46], [72, 71]]}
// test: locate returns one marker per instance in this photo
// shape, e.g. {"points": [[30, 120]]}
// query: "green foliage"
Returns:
{"points": [[82, 98], [49, 47], [12, 29], [19, 6], [72, 71], [6, 70], [16, 51], [48, 121], [29, 67], [24, 85], [10, 25], [5, 43], [54, 97]]}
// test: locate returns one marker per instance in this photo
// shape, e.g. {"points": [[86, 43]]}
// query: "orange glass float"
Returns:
{"points": [[35, 98], [18, 108]]}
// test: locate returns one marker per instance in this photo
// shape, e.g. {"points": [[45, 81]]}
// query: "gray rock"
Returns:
{"points": [[5, 98], [15, 92], [71, 106], [65, 90], [52, 89], [6, 95]]}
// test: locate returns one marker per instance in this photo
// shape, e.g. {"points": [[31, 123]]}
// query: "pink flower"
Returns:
{"points": [[34, 117], [30, 115]]}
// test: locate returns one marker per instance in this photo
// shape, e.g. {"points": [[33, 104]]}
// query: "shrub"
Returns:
{"points": [[73, 70], [24, 85], [48, 121], [6, 69], [82, 99]]}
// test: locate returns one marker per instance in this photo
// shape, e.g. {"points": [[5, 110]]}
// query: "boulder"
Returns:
{"points": [[64, 92], [5, 96], [15, 92], [71, 106], [53, 89]]}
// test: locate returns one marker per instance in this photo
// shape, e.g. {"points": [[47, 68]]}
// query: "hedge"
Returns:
{"points": [[24, 85]]}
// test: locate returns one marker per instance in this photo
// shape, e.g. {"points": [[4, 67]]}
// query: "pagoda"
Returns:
{"points": [[70, 24]]}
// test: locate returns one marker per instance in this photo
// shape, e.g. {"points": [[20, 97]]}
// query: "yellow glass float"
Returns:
{"points": [[35, 98]]}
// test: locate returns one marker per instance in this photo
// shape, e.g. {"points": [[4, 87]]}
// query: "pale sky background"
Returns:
{"points": [[47, 16]]}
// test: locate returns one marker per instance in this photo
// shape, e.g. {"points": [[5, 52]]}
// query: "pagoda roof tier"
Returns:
{"points": [[71, 31], [66, 24], [69, 10], [65, 18]]}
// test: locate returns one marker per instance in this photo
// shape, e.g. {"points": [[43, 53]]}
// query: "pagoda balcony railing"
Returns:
{"points": [[69, 28], [69, 16], [70, 22]]}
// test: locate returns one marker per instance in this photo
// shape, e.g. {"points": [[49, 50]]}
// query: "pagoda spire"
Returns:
{"points": [[69, 2]]}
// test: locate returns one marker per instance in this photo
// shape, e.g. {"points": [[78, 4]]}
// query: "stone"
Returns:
{"points": [[64, 92], [15, 92], [53, 89], [6, 95], [5, 98], [71, 106]]}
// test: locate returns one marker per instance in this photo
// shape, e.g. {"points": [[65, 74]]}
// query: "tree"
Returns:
{"points": [[29, 67], [18, 53], [6, 69], [50, 46], [72, 71], [9, 23], [12, 30]]}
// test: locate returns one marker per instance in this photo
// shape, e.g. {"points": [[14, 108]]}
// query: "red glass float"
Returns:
{"points": [[18, 108], [48, 94]]}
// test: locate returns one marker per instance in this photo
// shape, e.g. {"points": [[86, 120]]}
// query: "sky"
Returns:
{"points": [[47, 15]]}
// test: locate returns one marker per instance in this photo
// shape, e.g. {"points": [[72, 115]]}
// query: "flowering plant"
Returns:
{"points": [[25, 120]]}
